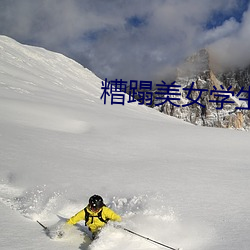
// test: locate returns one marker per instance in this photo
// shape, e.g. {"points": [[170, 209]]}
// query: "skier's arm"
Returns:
{"points": [[110, 214], [77, 217]]}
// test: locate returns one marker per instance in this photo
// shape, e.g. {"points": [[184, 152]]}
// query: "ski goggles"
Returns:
{"points": [[94, 208]]}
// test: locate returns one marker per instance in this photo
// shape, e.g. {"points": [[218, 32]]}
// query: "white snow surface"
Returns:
{"points": [[182, 185]]}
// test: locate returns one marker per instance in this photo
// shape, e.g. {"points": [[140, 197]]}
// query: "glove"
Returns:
{"points": [[60, 234], [62, 229]]}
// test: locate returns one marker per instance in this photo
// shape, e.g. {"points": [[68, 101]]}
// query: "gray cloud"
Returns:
{"points": [[133, 39], [233, 49]]}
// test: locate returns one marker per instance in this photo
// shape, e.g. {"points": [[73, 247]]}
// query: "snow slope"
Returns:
{"points": [[176, 183]]}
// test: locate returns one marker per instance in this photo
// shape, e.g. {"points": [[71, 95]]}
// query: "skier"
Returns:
{"points": [[95, 214]]}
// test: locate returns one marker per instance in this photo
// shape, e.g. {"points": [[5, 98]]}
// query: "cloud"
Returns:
{"points": [[232, 50], [130, 39], [226, 29]]}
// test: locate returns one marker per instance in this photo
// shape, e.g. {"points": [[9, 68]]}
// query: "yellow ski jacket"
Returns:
{"points": [[94, 223]]}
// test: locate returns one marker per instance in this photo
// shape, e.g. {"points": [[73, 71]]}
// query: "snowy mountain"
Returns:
{"points": [[216, 99], [183, 185]]}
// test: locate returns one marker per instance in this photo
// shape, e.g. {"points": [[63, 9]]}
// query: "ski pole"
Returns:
{"points": [[45, 228], [146, 238]]}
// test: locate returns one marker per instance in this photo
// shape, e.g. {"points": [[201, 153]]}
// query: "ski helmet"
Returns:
{"points": [[95, 202]]}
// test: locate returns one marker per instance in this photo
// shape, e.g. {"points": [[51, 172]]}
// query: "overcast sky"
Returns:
{"points": [[131, 39]]}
